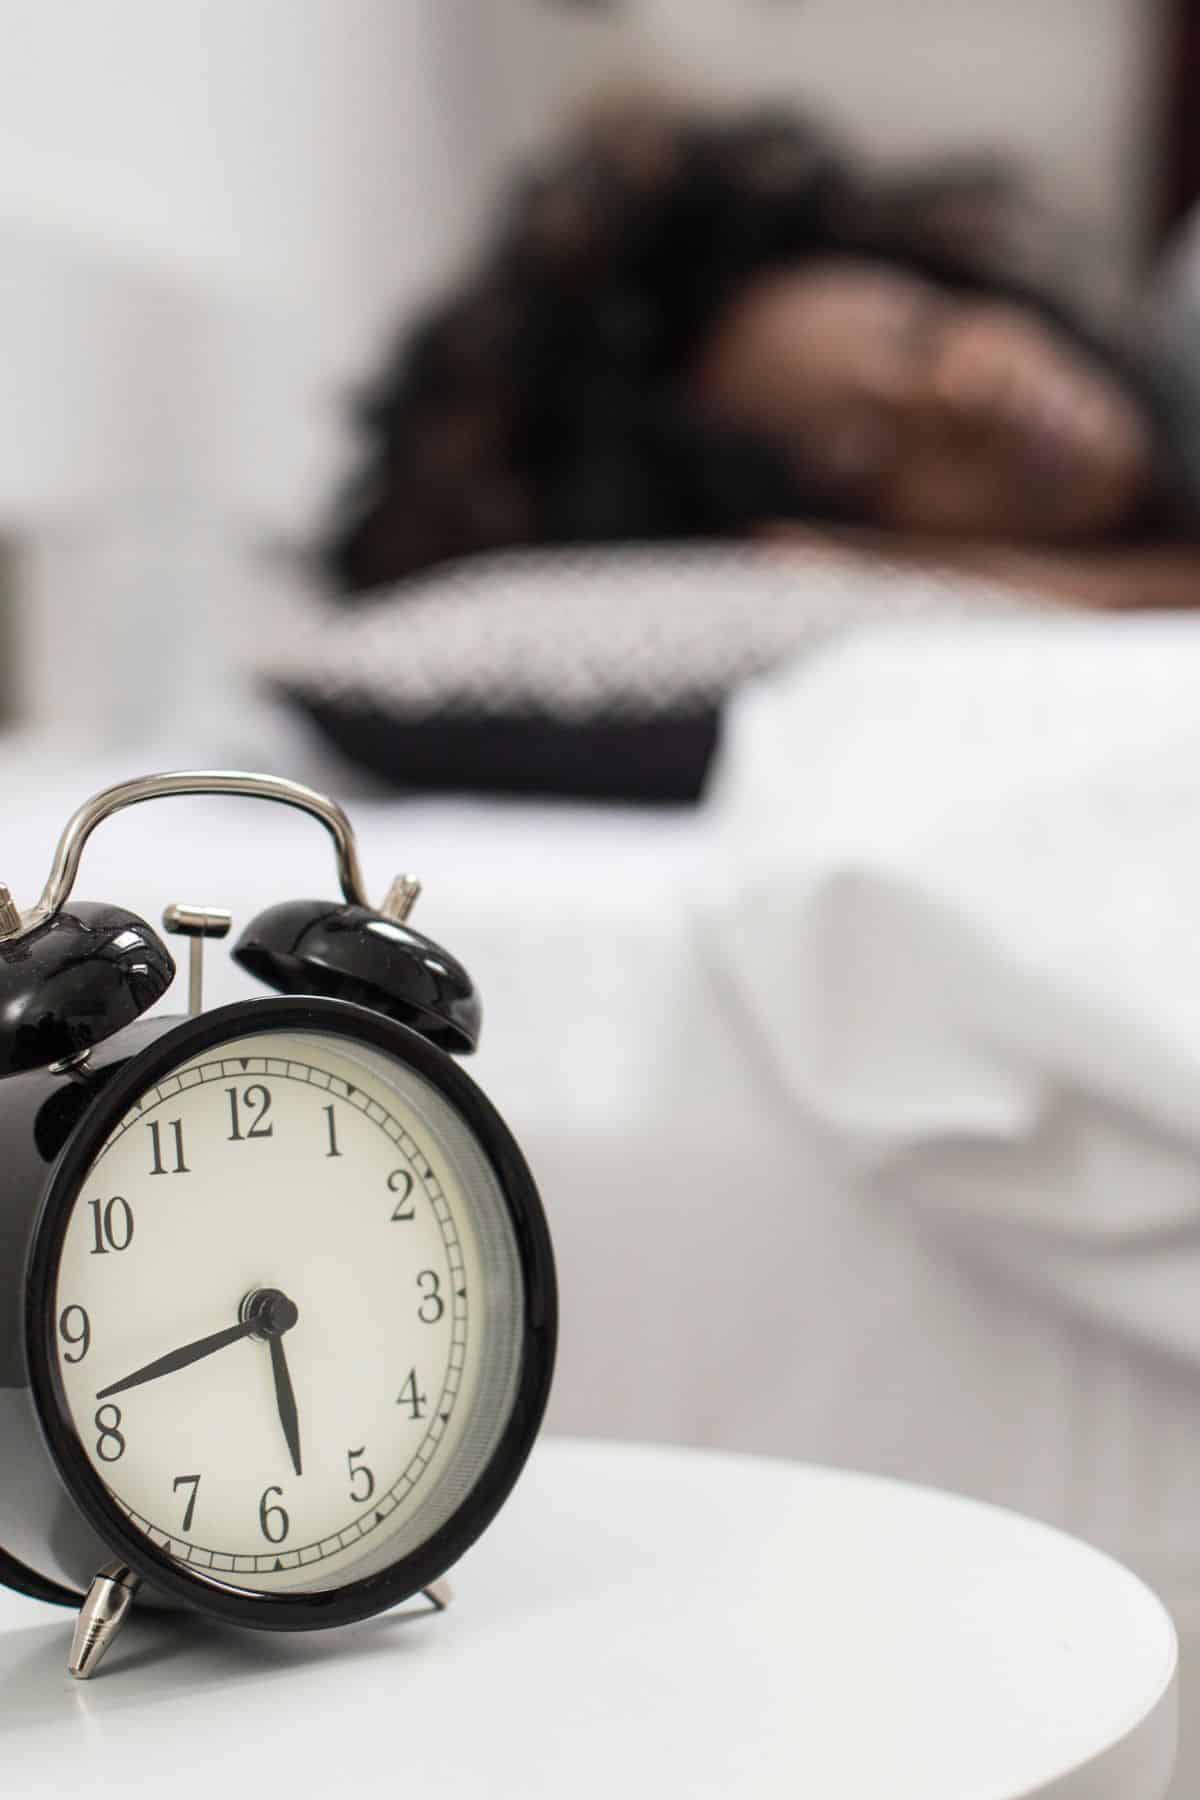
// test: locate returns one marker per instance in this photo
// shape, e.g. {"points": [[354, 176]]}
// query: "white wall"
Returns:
{"points": [[1070, 84], [299, 146], [299, 165], [209, 210]]}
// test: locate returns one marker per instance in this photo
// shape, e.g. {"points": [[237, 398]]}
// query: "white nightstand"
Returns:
{"points": [[651, 1622]]}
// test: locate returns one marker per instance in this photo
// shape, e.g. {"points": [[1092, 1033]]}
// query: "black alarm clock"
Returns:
{"points": [[277, 1296]]}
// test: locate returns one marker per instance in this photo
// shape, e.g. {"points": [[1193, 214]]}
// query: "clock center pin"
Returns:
{"points": [[271, 1311]]}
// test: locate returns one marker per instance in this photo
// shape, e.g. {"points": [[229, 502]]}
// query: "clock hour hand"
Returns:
{"points": [[180, 1359], [285, 1399], [264, 1314]]}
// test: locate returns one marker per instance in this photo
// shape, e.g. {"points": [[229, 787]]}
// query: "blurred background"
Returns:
{"points": [[823, 840], [214, 218]]}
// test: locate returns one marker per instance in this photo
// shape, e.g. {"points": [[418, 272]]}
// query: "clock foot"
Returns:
{"points": [[101, 1617], [439, 1595]]}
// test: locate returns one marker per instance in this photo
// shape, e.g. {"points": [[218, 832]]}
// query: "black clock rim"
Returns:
{"points": [[401, 1580]]}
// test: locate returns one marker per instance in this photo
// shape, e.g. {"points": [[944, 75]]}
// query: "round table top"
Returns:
{"points": [[649, 1620]]}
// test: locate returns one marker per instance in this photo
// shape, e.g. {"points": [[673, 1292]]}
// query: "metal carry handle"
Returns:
{"points": [[400, 899]]}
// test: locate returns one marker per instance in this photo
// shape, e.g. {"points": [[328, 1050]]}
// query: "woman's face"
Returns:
{"points": [[919, 409]]}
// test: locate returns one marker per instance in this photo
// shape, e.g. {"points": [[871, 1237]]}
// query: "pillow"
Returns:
{"points": [[595, 673]]}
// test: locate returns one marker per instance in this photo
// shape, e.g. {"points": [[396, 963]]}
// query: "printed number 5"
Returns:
{"points": [[359, 1471]]}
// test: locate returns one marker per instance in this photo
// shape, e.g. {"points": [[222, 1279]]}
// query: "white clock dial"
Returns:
{"points": [[289, 1312]]}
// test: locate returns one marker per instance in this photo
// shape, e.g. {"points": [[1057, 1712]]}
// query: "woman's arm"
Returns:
{"points": [[1119, 578]]}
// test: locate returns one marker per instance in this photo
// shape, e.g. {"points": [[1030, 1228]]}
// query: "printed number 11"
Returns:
{"points": [[175, 1127]]}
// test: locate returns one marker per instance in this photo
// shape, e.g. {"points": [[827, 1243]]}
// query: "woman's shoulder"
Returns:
{"points": [[1168, 336]]}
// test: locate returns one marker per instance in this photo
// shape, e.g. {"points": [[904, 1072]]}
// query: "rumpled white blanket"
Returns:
{"points": [[956, 898]]}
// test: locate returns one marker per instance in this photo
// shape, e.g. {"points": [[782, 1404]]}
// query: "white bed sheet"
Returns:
{"points": [[727, 1277]]}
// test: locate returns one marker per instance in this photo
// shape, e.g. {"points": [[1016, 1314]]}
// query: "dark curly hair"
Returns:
{"points": [[545, 402]]}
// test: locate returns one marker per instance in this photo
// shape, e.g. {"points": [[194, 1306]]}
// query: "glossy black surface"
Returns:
{"points": [[74, 982], [49, 1550], [38, 1113], [350, 953], [15, 1575], [358, 1599]]}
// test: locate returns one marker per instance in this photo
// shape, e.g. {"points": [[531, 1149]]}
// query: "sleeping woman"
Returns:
{"points": [[691, 327]]}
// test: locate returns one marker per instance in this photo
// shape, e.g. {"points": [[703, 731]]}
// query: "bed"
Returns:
{"points": [[865, 1098]]}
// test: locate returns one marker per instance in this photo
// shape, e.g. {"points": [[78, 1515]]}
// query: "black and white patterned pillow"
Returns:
{"points": [[594, 672]]}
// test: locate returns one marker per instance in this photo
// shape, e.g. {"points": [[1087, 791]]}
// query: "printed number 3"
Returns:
{"points": [[432, 1306]]}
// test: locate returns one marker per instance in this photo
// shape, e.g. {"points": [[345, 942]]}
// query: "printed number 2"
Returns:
{"points": [[400, 1183]]}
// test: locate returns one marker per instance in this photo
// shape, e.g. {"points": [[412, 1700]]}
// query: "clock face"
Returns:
{"points": [[288, 1311]]}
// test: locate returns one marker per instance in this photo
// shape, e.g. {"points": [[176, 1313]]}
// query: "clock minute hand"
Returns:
{"points": [[285, 1399], [180, 1359]]}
